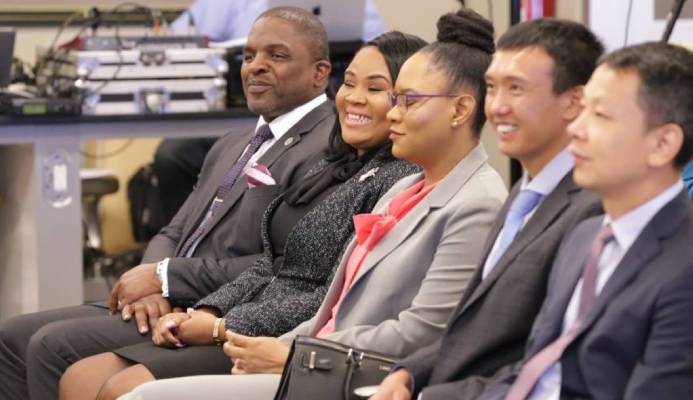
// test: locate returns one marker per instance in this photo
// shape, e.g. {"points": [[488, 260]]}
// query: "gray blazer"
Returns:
{"points": [[410, 282], [234, 241], [494, 317], [636, 341]]}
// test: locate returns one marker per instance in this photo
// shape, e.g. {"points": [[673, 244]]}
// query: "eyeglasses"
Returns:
{"points": [[404, 100]]}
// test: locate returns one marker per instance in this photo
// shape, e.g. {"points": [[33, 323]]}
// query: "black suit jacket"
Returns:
{"points": [[233, 243], [493, 320], [637, 340]]}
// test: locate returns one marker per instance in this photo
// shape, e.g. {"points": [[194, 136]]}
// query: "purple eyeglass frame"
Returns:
{"points": [[392, 97]]}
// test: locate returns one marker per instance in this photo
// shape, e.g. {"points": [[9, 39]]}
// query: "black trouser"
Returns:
{"points": [[36, 349]]}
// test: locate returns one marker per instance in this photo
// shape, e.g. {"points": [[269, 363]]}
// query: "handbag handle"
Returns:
{"points": [[352, 364]]}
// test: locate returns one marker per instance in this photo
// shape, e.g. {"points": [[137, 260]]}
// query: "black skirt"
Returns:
{"points": [[173, 363]]}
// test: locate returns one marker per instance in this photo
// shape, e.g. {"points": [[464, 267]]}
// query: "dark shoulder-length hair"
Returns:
{"points": [[396, 47]]}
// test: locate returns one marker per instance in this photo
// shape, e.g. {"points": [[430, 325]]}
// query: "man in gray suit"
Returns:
{"points": [[534, 89], [616, 320], [216, 233]]}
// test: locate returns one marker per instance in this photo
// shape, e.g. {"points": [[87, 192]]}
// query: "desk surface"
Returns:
{"points": [[33, 130], [89, 119]]}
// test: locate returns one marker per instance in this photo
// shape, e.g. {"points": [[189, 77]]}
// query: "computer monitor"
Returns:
{"points": [[6, 53], [343, 20]]}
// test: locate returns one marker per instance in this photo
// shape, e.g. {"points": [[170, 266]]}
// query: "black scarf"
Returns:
{"points": [[335, 172]]}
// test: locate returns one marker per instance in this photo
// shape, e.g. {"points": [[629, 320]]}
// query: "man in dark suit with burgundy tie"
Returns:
{"points": [[216, 233], [616, 320], [534, 86]]}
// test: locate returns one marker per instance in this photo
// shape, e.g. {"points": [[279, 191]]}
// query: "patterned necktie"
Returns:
{"points": [[262, 135], [536, 366], [525, 202]]}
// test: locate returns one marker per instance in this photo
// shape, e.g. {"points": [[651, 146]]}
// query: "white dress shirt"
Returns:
{"points": [[626, 230], [224, 20], [544, 183], [279, 127]]}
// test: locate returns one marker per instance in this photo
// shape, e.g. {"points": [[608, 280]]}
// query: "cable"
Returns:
{"points": [[113, 153], [113, 77], [489, 5], [52, 78], [119, 43], [673, 17], [628, 16], [192, 27], [66, 23], [119, 47]]}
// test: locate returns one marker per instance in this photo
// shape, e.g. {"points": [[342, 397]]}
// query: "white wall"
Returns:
{"points": [[608, 20]]}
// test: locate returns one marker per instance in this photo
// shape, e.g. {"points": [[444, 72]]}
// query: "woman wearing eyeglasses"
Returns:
{"points": [[405, 270]]}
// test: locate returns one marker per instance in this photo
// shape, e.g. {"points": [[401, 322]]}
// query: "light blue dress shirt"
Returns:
{"points": [[223, 20], [626, 230], [688, 178], [544, 183]]}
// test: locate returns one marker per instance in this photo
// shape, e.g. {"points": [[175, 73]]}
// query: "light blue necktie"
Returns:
{"points": [[525, 202]]}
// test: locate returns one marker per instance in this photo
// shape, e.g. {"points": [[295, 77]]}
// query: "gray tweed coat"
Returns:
{"points": [[271, 298]]}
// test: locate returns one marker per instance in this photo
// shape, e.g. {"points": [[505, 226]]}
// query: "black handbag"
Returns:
{"points": [[321, 369]]}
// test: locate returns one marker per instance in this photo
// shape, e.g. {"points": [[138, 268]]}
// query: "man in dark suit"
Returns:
{"points": [[616, 320], [216, 233], [534, 89]]}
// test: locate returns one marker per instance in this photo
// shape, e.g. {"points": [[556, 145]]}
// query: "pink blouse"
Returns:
{"points": [[370, 229]]}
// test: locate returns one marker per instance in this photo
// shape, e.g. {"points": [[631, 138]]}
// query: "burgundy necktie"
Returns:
{"points": [[536, 366], [262, 135]]}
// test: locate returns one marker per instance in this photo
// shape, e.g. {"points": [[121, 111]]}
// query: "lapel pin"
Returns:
{"points": [[288, 141], [368, 174]]}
